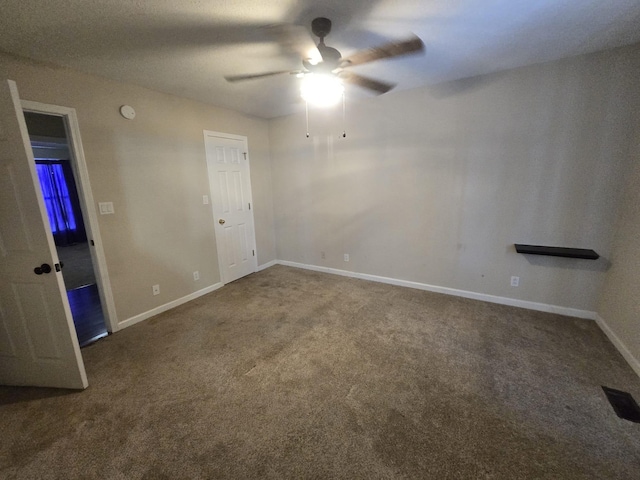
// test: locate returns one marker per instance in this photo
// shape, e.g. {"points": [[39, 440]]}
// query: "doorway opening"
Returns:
{"points": [[55, 167]]}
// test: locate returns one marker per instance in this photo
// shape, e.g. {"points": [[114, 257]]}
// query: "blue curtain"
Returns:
{"points": [[61, 201]]}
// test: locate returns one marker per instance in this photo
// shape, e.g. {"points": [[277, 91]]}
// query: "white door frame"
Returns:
{"points": [[242, 138], [87, 205]]}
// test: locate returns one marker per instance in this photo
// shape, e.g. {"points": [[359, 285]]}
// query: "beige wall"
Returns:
{"points": [[153, 169], [436, 185], [430, 185], [619, 305]]}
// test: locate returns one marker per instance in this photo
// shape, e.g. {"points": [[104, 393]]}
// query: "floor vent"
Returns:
{"points": [[623, 404]]}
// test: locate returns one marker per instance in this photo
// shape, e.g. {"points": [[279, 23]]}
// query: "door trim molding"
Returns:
{"points": [[230, 136], [87, 204]]}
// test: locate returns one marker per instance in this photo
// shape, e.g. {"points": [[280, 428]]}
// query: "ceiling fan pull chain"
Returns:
{"points": [[344, 116], [306, 111]]}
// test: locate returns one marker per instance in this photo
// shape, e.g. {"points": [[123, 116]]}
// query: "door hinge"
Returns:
{"points": [[254, 252], [249, 205], [245, 155]]}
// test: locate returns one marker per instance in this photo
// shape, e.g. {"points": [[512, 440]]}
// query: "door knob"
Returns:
{"points": [[44, 268], [221, 221]]}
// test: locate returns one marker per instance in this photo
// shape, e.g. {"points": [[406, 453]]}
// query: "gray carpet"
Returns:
{"points": [[295, 374]]}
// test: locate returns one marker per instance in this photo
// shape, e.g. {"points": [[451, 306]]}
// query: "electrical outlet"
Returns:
{"points": [[346, 257], [323, 256], [205, 199], [515, 281], [196, 275], [156, 289]]}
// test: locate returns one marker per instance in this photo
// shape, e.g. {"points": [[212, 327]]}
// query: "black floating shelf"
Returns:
{"points": [[557, 251]]}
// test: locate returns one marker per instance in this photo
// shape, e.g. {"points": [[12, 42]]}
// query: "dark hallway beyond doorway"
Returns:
{"points": [[87, 314], [82, 291], [57, 179]]}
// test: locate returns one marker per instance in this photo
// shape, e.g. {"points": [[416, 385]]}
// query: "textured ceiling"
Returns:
{"points": [[185, 47]]}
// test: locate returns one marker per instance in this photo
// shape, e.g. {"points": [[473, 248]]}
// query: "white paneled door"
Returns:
{"points": [[38, 342], [230, 185]]}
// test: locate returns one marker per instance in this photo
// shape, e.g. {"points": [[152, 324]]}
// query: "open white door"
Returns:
{"points": [[38, 343], [230, 185]]}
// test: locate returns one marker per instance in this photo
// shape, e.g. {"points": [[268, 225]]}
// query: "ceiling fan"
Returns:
{"points": [[321, 59]]}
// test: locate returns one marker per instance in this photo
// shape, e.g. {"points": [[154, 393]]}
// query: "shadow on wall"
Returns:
{"points": [[466, 85]]}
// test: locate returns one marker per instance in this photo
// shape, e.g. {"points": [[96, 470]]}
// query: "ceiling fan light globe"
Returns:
{"points": [[322, 90]]}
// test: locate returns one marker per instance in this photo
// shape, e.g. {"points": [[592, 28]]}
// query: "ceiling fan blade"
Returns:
{"points": [[366, 82], [252, 76], [388, 50], [294, 38]]}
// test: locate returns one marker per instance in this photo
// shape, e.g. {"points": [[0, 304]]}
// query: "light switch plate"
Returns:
{"points": [[105, 208]]}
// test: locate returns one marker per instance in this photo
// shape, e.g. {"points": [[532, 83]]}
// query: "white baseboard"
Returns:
{"points": [[622, 348], [542, 307], [571, 312], [264, 266], [168, 306]]}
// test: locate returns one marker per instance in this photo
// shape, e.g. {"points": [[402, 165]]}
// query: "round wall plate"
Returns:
{"points": [[127, 112]]}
